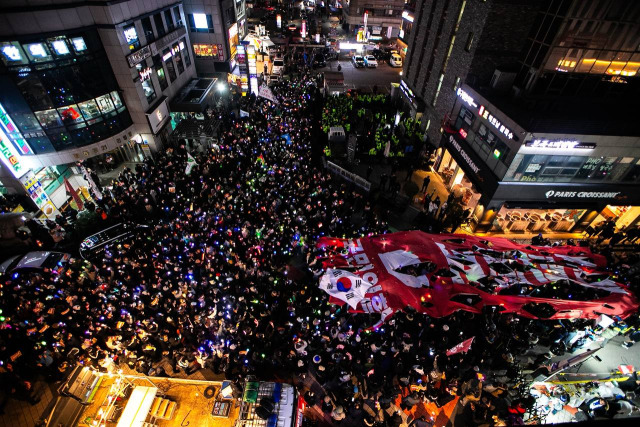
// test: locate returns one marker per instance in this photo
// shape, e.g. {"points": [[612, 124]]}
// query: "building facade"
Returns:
{"points": [[86, 82], [530, 105], [216, 28], [373, 19], [515, 180]]}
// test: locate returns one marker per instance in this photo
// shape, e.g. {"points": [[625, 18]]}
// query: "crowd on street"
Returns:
{"points": [[224, 277]]}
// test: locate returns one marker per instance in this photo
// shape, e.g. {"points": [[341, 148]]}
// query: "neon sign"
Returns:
{"points": [[12, 132], [560, 144], [495, 122], [466, 98], [9, 157]]}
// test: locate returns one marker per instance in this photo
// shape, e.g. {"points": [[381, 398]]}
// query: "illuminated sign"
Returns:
{"points": [[495, 122], [464, 154], [279, 21], [9, 157], [12, 132], [138, 56], [200, 21], [131, 36], [145, 74], [253, 72], [405, 15], [34, 188], [466, 98], [581, 194], [560, 144], [233, 30], [350, 46], [167, 55], [463, 133], [303, 31]]}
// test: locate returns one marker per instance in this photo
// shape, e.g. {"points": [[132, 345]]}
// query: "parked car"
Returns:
{"points": [[319, 61], [381, 55], [395, 60], [358, 61], [370, 61], [329, 54], [33, 261]]}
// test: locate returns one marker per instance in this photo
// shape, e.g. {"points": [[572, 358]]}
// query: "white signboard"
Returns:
{"points": [[158, 117]]}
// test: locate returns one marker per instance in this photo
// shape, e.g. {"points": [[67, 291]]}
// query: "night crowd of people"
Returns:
{"points": [[222, 275]]}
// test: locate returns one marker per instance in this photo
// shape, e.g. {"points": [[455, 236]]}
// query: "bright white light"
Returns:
{"points": [[37, 50], [60, 47], [200, 21], [79, 44], [12, 53], [221, 87]]}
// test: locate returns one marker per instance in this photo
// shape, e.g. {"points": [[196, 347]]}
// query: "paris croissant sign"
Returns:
{"points": [[581, 194]]}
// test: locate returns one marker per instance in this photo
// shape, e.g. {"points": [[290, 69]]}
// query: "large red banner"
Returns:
{"points": [[439, 274]]}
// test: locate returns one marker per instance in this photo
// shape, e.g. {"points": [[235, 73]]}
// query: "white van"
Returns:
{"points": [[277, 67], [395, 60]]}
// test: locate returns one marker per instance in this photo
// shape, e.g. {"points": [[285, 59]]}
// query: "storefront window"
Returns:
{"points": [[169, 64], [89, 109], [12, 53], [115, 96], [185, 52], [70, 114], [37, 52], [49, 118], [178, 58], [60, 139], [79, 46], [633, 174], [588, 168], [536, 220], [149, 91], [105, 104], [147, 29], [465, 119], [59, 46], [605, 167], [162, 78]]}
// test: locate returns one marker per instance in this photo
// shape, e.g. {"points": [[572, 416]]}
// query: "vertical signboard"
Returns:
{"points": [[34, 188], [10, 156], [279, 21], [241, 58], [253, 71], [11, 130]]}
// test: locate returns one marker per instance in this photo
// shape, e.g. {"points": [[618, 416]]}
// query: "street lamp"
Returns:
{"points": [[221, 87]]}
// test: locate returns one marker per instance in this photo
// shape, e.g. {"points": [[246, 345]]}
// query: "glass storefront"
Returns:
{"points": [[455, 180], [536, 220], [553, 168], [60, 91]]}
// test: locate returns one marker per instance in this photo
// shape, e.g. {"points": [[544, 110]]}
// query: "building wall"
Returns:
{"points": [[438, 55], [503, 38]]}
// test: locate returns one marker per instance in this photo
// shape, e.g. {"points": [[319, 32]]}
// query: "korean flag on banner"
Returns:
{"points": [[345, 286]]}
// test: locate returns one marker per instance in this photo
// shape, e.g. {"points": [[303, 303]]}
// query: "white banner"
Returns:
{"points": [[265, 92]]}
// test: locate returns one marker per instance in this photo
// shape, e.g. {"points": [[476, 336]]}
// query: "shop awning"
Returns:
{"points": [[138, 406]]}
